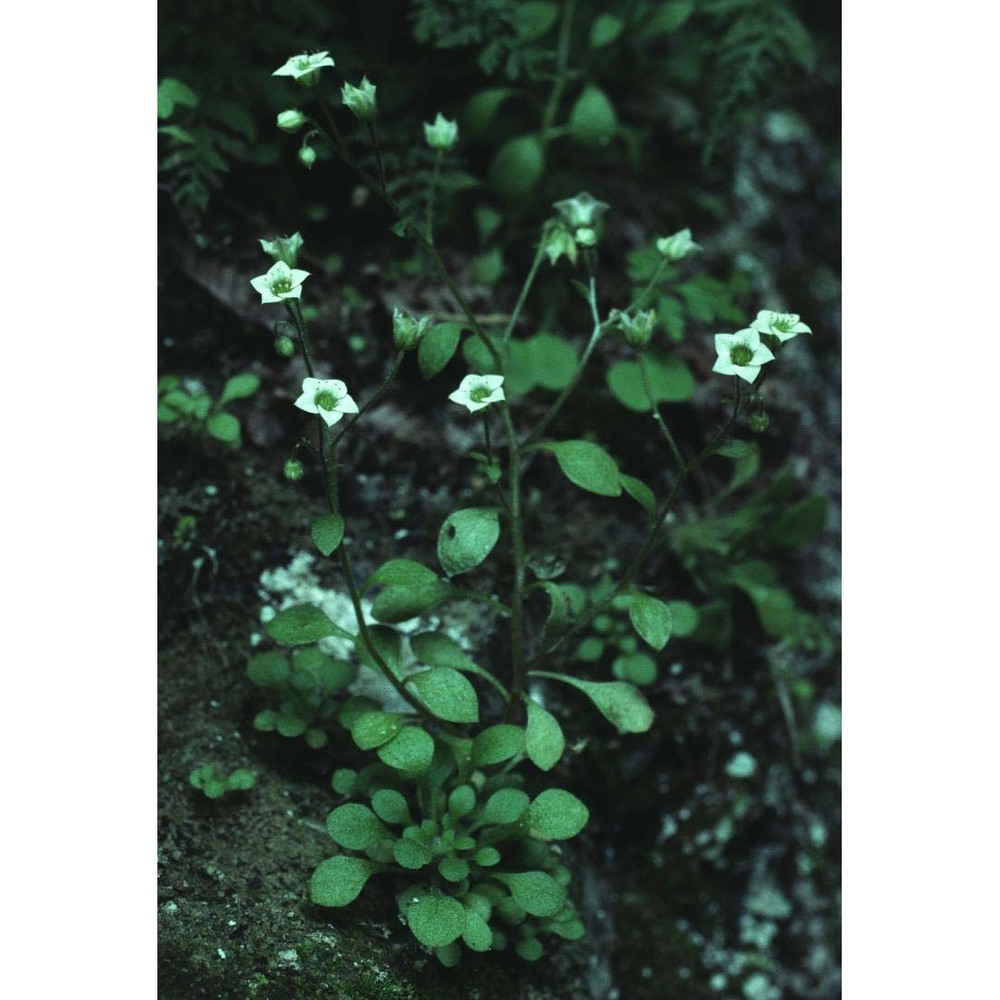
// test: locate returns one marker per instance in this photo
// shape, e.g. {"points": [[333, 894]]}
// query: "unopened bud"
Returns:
{"points": [[291, 120], [586, 237], [758, 422], [284, 346], [307, 157], [678, 246], [407, 332], [293, 470], [558, 241], [638, 329]]}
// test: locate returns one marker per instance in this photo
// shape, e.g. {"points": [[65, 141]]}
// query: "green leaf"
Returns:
{"points": [[439, 650], [339, 881], [517, 167], [239, 387], [172, 92], [487, 268], [388, 644], [670, 381], [534, 19], [453, 869], [405, 572], [328, 532], [497, 744], [506, 806], [447, 694], [685, 617], [303, 623], [544, 742], [355, 827], [588, 466], [639, 668], [604, 29], [538, 893], [746, 462], [477, 934], [224, 427], [482, 108], [436, 920], [621, 703], [557, 815], [462, 801], [802, 523], [270, 669], [392, 807], [411, 854], [374, 729], [411, 750], [551, 360], [651, 618], [668, 17], [466, 538], [437, 347], [592, 119], [640, 493], [559, 608], [401, 603]]}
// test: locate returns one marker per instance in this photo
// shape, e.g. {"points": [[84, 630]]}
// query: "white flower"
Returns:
{"points": [[305, 68], [280, 283], [326, 396], [477, 391], [784, 326], [581, 212], [740, 353], [443, 134], [677, 246], [360, 100]]}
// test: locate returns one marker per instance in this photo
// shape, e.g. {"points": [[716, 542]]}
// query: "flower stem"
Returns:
{"points": [[656, 412], [432, 191], [512, 322]]}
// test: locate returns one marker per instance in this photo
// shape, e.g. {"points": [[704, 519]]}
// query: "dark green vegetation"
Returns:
{"points": [[712, 847]]}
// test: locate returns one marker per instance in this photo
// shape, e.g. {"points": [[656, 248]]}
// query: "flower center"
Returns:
{"points": [[479, 393], [740, 355], [785, 321], [325, 399], [279, 285], [303, 62]]}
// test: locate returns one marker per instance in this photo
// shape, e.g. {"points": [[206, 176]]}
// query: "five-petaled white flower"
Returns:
{"points": [[477, 391], [326, 396], [784, 326], [305, 68], [740, 353], [441, 134], [280, 283]]}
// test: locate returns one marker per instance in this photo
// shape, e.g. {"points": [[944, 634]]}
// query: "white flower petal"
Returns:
{"points": [[347, 405], [491, 382], [299, 276], [331, 416], [723, 341], [761, 355], [746, 372], [307, 402], [723, 365]]}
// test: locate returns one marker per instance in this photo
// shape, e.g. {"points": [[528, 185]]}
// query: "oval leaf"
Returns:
{"points": [[354, 826], [239, 387], [447, 694], [436, 920], [410, 750], [303, 623], [339, 881], [544, 742], [437, 347], [497, 744], [539, 894], [651, 618], [621, 703], [328, 532], [517, 167], [592, 120], [588, 466], [466, 538], [557, 815]]}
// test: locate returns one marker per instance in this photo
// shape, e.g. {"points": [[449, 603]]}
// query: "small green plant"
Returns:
{"points": [[209, 780], [188, 405], [459, 804]]}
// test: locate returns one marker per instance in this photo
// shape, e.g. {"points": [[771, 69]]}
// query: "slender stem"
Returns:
{"points": [[373, 132], [539, 254], [562, 62], [554, 409], [647, 544], [656, 412], [378, 394], [517, 539], [438, 156], [640, 300]]}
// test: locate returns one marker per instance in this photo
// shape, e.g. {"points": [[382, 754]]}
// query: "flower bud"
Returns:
{"points": [[585, 237], [407, 331], [557, 241], [678, 246], [758, 422], [638, 329], [284, 345], [293, 470], [443, 134], [291, 120], [360, 100], [283, 248], [307, 157]]}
